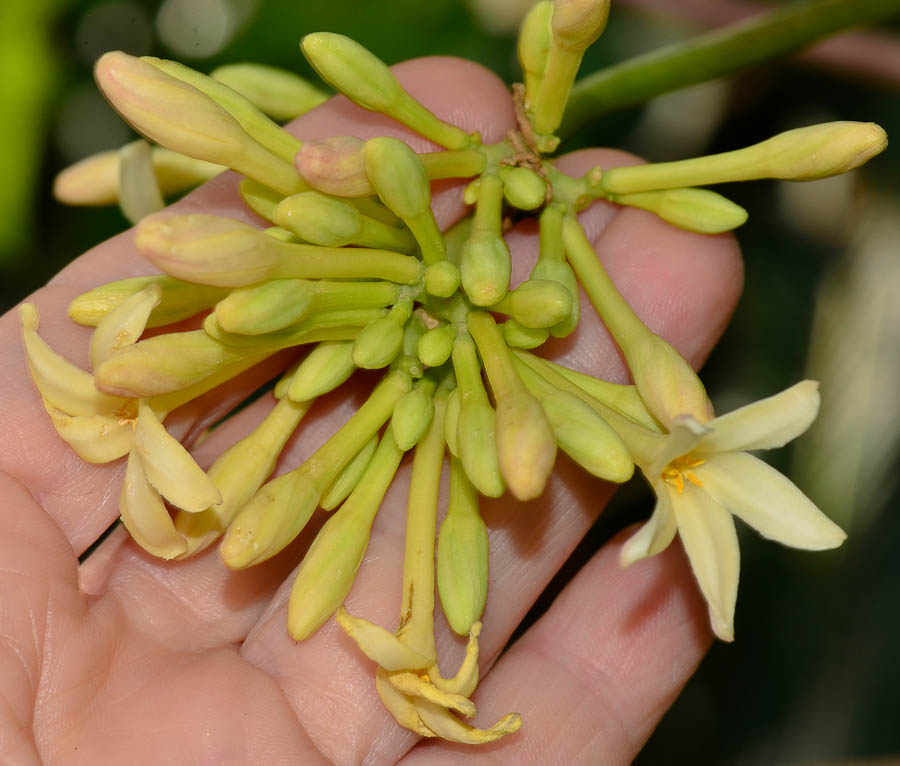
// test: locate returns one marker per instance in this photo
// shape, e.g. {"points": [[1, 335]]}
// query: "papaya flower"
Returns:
{"points": [[702, 475]]}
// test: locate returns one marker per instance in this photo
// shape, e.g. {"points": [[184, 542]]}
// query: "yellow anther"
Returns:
{"points": [[678, 470]]}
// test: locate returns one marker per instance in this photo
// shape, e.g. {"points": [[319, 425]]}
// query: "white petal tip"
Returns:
{"points": [[723, 629]]}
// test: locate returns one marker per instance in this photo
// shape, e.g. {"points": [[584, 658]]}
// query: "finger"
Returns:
{"points": [[596, 673], [83, 499], [202, 595], [530, 541]]}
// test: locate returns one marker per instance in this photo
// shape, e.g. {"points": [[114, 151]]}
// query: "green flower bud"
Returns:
{"points": [[435, 346], [166, 363], [696, 210], [585, 437], [238, 473], [366, 80], [281, 508], [560, 272], [319, 219], [325, 367], [537, 303], [178, 300], [161, 107], [803, 154], [523, 188], [266, 307], [576, 24], [412, 416], [579, 23], [518, 336], [442, 279], [397, 174], [378, 344], [276, 92], [348, 478], [485, 268], [331, 222], [533, 46], [462, 555], [335, 166], [477, 447], [329, 567]]}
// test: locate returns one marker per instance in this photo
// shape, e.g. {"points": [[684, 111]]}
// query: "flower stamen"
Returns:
{"points": [[678, 470]]}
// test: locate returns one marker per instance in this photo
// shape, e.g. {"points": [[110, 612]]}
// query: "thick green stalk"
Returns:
{"points": [[715, 54]]}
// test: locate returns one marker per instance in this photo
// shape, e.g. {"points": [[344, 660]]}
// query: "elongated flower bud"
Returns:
{"points": [[160, 107], [259, 127], [485, 265], [697, 210], [238, 473], [397, 174], [803, 154], [381, 341], [227, 253], [331, 222], [276, 92], [462, 555], [412, 416], [533, 46], [329, 567], [576, 24], [325, 367], [451, 422], [365, 79]]}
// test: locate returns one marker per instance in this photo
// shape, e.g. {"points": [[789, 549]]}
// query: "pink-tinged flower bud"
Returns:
{"points": [[335, 166]]}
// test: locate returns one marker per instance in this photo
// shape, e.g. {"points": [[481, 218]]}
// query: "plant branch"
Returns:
{"points": [[715, 54]]}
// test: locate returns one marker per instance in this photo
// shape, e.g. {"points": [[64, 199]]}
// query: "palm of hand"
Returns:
{"points": [[131, 659]]}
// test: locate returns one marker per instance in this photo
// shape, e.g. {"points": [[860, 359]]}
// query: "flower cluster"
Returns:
{"points": [[355, 269]]}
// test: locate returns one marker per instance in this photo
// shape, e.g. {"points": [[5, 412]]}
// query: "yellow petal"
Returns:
{"points": [[399, 705], [656, 534], [466, 678], [169, 467], [380, 645], [710, 540], [414, 685], [124, 324], [447, 726], [95, 438], [61, 383], [768, 501], [768, 423], [145, 515]]}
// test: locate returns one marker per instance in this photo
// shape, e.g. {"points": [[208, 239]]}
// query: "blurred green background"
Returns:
{"points": [[813, 676]]}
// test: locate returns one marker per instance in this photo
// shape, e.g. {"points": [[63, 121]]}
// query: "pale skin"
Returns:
{"points": [[129, 659]]}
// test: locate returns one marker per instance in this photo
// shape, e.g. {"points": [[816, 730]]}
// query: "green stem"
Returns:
{"points": [[715, 54]]}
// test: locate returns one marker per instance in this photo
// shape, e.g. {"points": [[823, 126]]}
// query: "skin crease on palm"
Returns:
{"points": [[130, 659]]}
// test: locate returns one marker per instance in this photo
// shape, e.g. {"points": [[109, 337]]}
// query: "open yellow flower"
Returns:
{"points": [[702, 474]]}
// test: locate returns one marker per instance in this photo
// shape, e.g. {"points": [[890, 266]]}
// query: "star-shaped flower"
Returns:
{"points": [[702, 474]]}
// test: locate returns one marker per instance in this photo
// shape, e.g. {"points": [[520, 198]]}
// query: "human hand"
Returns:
{"points": [[131, 659]]}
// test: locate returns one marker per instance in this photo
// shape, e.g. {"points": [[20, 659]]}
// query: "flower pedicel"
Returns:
{"points": [[355, 268]]}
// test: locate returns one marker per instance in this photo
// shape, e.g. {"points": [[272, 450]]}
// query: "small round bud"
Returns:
{"points": [[378, 344], [537, 303], [485, 268], [519, 336], [411, 418], [442, 279], [523, 188], [435, 346]]}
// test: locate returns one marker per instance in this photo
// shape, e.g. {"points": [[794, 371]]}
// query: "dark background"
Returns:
{"points": [[813, 676]]}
